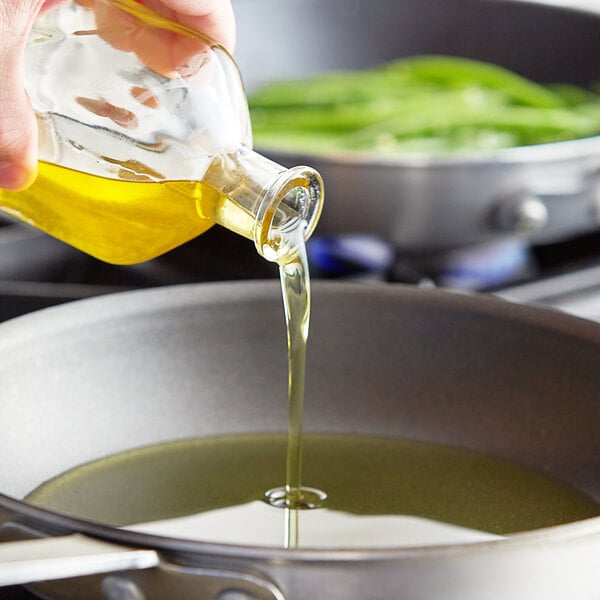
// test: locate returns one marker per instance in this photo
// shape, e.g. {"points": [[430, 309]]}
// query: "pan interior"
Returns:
{"points": [[208, 364], [382, 491]]}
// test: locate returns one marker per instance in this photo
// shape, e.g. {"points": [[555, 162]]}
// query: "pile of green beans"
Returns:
{"points": [[423, 104]]}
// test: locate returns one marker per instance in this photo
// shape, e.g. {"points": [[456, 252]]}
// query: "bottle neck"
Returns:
{"points": [[264, 201]]}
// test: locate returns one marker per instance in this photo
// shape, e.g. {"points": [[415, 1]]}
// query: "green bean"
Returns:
{"points": [[431, 104], [457, 71], [334, 89], [517, 118], [345, 118]]}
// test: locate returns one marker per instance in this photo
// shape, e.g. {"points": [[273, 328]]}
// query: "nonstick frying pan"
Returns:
{"points": [[99, 376]]}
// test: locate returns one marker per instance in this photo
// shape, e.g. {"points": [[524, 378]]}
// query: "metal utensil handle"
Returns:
{"points": [[46, 559], [27, 557]]}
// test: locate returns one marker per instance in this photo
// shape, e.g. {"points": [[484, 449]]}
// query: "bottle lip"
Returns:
{"points": [[294, 195]]}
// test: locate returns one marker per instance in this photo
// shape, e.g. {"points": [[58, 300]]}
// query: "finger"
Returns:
{"points": [[161, 49], [215, 18]]}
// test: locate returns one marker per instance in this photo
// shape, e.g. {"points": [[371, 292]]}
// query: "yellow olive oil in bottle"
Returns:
{"points": [[144, 139]]}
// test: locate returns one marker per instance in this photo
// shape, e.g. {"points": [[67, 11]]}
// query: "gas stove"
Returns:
{"points": [[576, 292], [564, 275]]}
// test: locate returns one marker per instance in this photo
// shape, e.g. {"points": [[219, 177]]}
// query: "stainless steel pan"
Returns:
{"points": [[543, 193], [94, 377]]}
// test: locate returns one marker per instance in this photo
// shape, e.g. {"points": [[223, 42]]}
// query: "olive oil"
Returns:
{"points": [[295, 287], [119, 221], [365, 477]]}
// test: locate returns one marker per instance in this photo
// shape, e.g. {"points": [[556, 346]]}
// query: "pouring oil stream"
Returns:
{"points": [[295, 287]]}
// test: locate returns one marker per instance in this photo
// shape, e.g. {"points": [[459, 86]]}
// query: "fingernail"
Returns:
{"points": [[15, 177]]}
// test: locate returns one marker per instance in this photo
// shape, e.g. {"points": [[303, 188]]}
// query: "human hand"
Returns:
{"points": [[18, 129]]}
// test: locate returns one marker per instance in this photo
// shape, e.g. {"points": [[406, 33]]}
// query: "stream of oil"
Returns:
{"points": [[295, 288]]}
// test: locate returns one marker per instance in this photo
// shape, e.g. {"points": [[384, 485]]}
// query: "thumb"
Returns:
{"points": [[18, 129]]}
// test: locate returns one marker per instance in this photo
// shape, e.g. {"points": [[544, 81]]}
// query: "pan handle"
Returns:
{"points": [[45, 559]]}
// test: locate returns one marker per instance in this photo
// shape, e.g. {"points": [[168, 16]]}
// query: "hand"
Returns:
{"points": [[18, 129], [168, 52]]}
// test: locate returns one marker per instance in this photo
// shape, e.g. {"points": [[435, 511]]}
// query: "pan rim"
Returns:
{"points": [[54, 523]]}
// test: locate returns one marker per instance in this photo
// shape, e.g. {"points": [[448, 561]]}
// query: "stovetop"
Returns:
{"points": [[37, 271]]}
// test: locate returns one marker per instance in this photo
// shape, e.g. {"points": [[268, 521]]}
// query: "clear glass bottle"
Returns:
{"points": [[145, 140]]}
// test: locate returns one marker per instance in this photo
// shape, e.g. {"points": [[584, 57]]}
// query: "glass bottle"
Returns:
{"points": [[145, 140]]}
